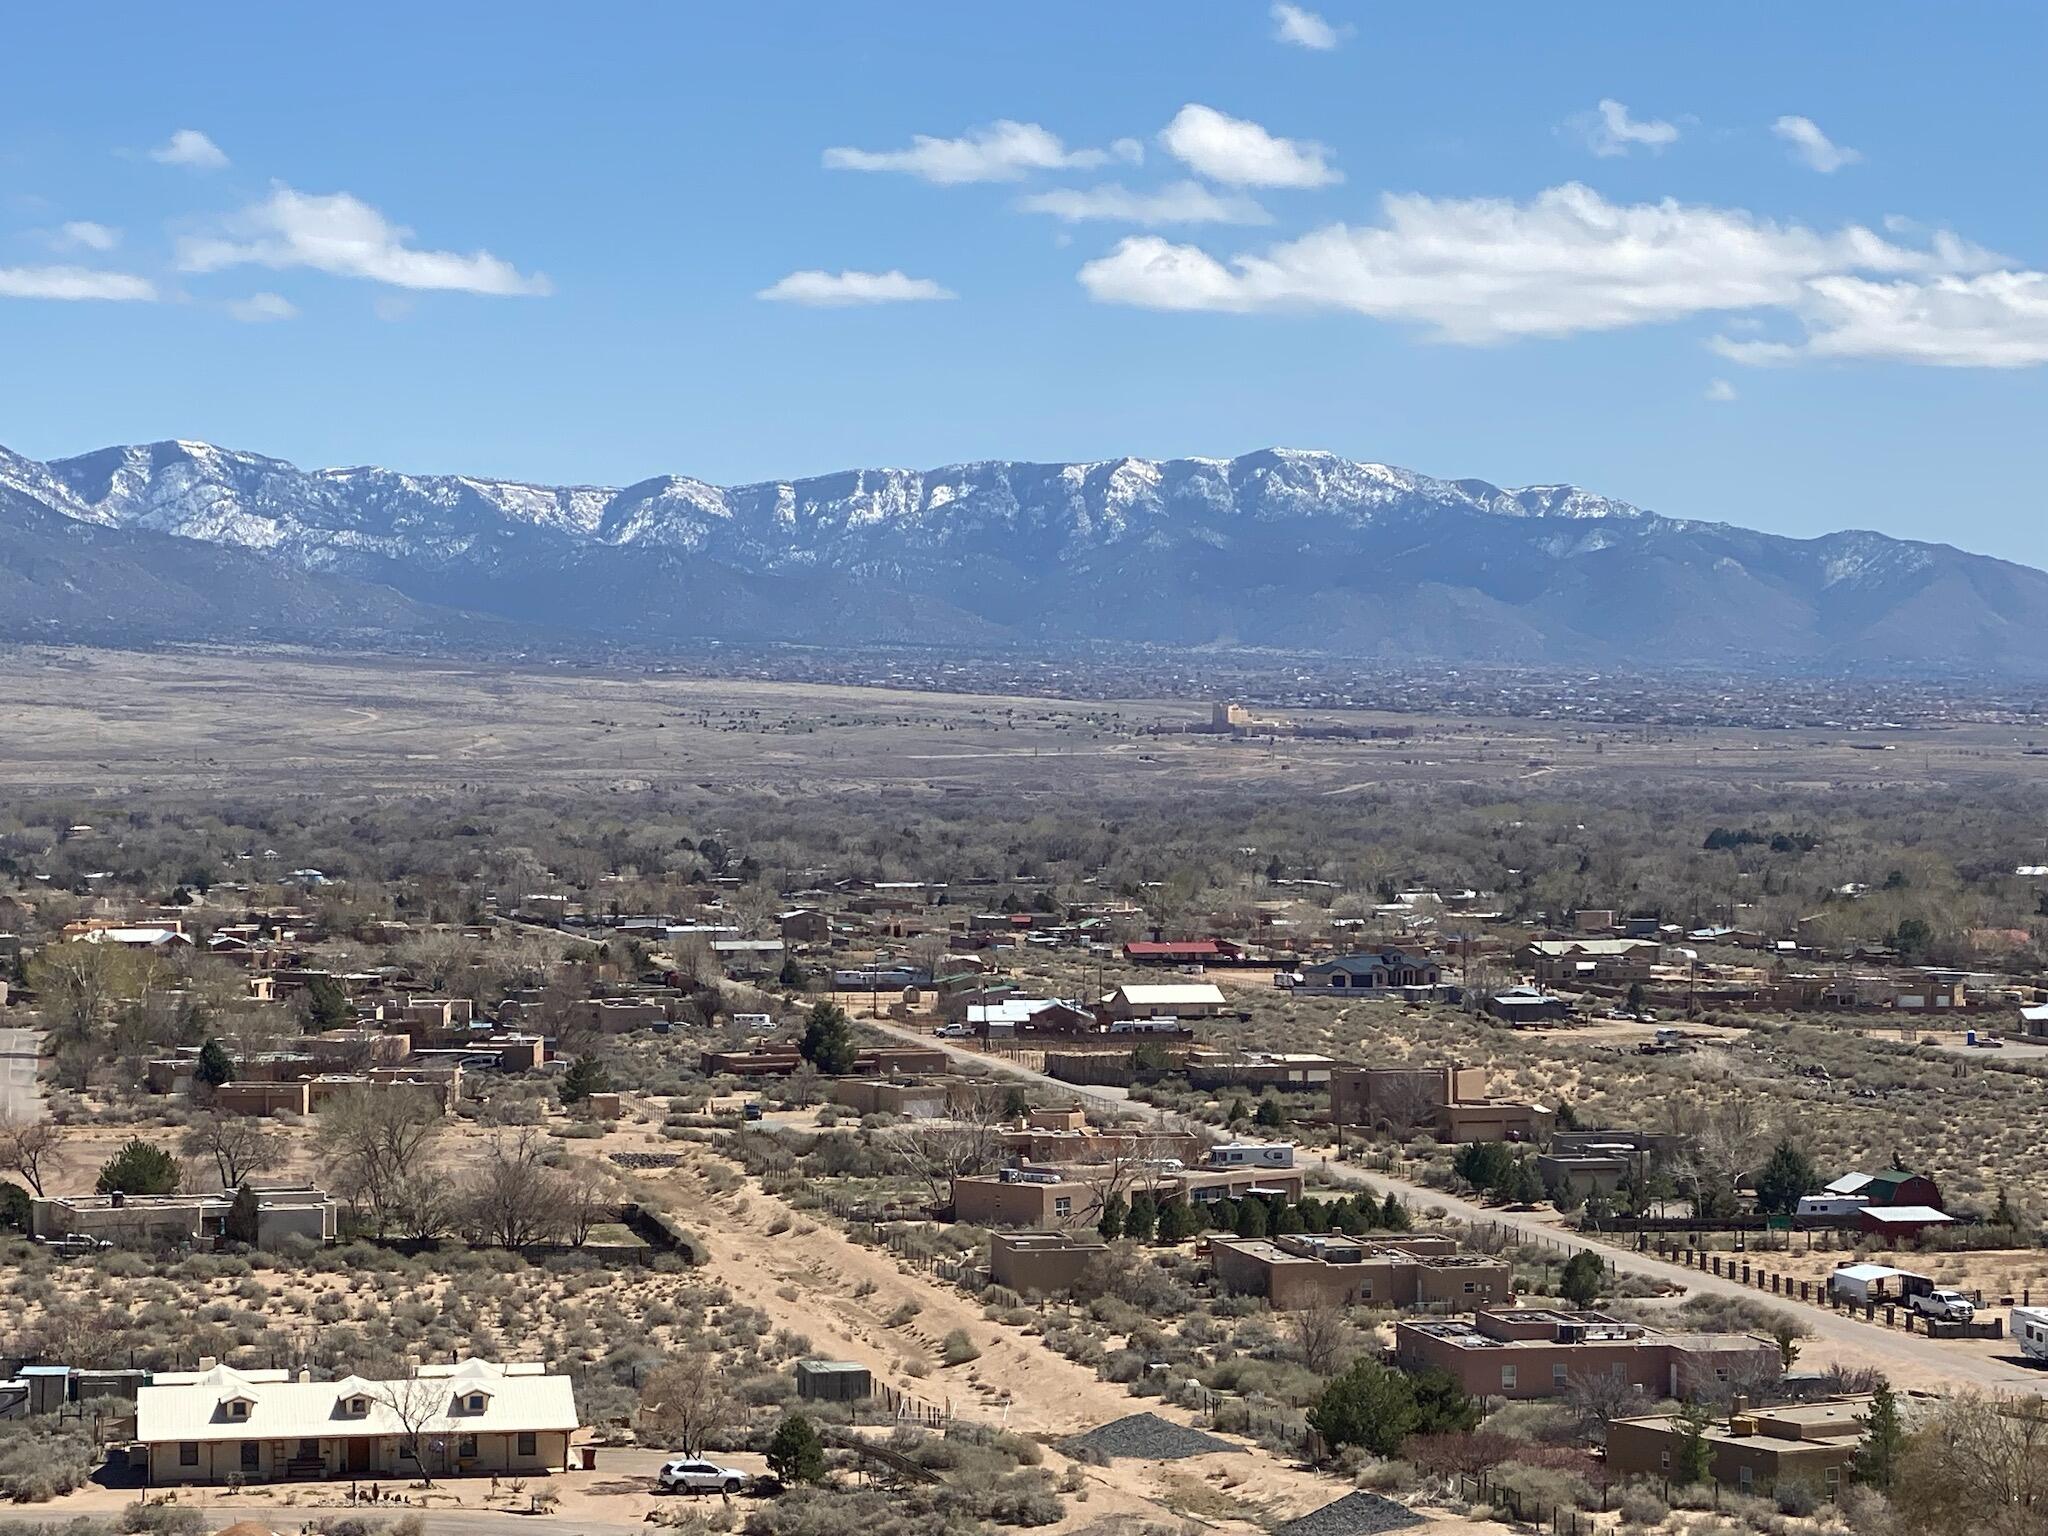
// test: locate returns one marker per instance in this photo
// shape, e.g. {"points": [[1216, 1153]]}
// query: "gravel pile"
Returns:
{"points": [[1147, 1437], [1356, 1514], [646, 1159]]}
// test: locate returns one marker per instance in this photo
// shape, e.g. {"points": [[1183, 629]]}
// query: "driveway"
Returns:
{"points": [[1911, 1354], [20, 1098]]}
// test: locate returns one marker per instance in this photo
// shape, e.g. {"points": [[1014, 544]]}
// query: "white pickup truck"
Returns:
{"points": [[1947, 1306]]}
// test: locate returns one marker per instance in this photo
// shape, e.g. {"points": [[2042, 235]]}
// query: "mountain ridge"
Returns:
{"points": [[1280, 549]]}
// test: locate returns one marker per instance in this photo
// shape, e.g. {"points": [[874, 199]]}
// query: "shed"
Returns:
{"points": [[833, 1381]]}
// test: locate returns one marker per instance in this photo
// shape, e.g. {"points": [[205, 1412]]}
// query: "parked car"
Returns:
{"points": [[681, 1474], [1948, 1306], [75, 1242], [750, 1110]]}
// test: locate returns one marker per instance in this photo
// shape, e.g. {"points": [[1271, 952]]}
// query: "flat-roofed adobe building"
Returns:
{"points": [[218, 1425], [1538, 1352], [1753, 1449], [1299, 1270]]}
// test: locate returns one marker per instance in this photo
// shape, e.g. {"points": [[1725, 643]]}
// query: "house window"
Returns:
{"points": [[1744, 1476], [1469, 1287], [252, 1455], [1831, 1479], [1559, 1376], [188, 1453], [1365, 1291], [1063, 1205], [465, 1447], [1507, 1378], [1664, 1461], [405, 1451], [238, 1410], [529, 1443], [476, 1402]]}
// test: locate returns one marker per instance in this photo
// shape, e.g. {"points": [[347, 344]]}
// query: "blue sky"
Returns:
{"points": [[496, 239]]}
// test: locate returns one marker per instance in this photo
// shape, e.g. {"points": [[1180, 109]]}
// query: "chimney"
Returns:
{"points": [[207, 1362], [305, 1373]]}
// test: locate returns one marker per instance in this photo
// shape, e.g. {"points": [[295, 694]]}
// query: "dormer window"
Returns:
{"points": [[356, 1406], [474, 1403], [238, 1408]]}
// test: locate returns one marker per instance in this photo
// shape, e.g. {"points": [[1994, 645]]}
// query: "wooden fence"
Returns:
{"points": [[1892, 1312], [1526, 1509]]}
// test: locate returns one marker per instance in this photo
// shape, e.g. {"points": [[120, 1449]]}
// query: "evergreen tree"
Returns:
{"points": [[1288, 1218], [1582, 1279], [242, 1218], [1394, 1215], [586, 1075], [1251, 1217], [827, 1042], [1179, 1222], [1111, 1226], [1271, 1114], [1884, 1441], [214, 1067], [793, 975], [1692, 1459], [327, 1004], [1015, 1105], [1143, 1218], [1238, 1113], [139, 1168], [795, 1453], [1788, 1174], [1482, 1164], [1442, 1405], [1371, 1406]]}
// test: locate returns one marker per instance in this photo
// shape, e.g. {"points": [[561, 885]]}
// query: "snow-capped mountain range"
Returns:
{"points": [[1280, 549]]}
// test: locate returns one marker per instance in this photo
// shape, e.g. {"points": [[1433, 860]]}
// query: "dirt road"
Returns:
{"points": [[1910, 1359]]}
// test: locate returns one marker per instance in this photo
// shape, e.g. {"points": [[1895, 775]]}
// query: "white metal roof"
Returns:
{"points": [[194, 1405], [1905, 1213], [1168, 993]]}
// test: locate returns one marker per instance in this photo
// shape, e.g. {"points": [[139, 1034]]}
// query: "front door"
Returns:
{"points": [[361, 1455]]}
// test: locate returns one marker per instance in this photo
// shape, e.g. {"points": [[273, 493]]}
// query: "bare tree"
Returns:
{"points": [[1321, 1333], [419, 1403], [1597, 1398], [375, 1142], [1978, 1465], [238, 1144], [514, 1198], [686, 1402], [966, 1142], [30, 1149], [423, 1203]]}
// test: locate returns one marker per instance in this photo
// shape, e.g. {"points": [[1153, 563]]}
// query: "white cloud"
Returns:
{"points": [[346, 237], [190, 147], [1482, 270], [84, 235], [1720, 391], [1812, 146], [72, 283], [1609, 130], [1003, 151], [1180, 202], [837, 289], [1303, 28], [1991, 320], [1132, 150], [260, 307], [1243, 154]]}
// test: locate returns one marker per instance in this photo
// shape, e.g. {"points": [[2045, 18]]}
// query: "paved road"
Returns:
{"points": [[20, 1099], [1880, 1345]]}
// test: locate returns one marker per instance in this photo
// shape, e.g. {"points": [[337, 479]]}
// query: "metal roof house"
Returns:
{"points": [[474, 1416]]}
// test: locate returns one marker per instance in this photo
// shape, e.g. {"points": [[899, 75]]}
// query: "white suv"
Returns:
{"points": [[682, 1475]]}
